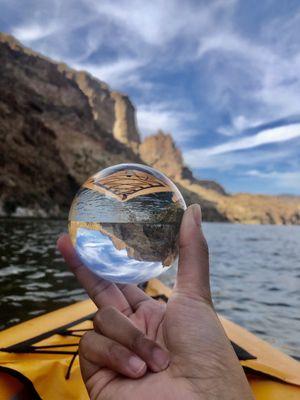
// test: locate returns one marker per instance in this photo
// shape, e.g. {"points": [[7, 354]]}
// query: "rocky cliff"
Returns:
{"points": [[58, 126], [112, 111], [160, 151]]}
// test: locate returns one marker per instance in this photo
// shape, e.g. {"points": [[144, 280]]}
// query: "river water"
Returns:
{"points": [[255, 276]]}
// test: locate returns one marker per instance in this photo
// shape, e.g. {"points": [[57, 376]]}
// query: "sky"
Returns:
{"points": [[221, 76]]}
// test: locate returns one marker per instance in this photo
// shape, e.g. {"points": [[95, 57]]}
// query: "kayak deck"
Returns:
{"points": [[41, 355]]}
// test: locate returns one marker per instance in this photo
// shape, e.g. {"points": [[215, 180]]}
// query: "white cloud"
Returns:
{"points": [[117, 74], [247, 80], [170, 117], [238, 125], [33, 32], [157, 23], [272, 135], [209, 157], [255, 71], [148, 20], [139, 33], [144, 31], [237, 160], [285, 180], [228, 41]]}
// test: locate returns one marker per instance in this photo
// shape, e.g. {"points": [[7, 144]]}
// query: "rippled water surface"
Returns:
{"points": [[255, 274]]}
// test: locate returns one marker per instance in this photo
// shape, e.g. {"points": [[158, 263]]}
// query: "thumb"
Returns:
{"points": [[193, 267]]}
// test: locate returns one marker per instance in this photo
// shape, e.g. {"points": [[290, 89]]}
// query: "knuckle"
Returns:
{"points": [[99, 288], [97, 322], [85, 343], [106, 310], [138, 341], [101, 316], [114, 351]]}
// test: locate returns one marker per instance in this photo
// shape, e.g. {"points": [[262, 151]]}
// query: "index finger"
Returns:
{"points": [[102, 292]]}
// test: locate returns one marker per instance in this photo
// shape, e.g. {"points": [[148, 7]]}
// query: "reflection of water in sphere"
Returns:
{"points": [[124, 223]]}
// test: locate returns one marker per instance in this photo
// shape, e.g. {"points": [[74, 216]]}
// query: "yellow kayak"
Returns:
{"points": [[40, 357]]}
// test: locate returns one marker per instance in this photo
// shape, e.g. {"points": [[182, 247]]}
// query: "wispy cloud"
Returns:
{"points": [[239, 124], [118, 73], [216, 65], [200, 158], [167, 116], [256, 73], [33, 32], [237, 162], [156, 23], [144, 21], [282, 179], [138, 34], [274, 135]]}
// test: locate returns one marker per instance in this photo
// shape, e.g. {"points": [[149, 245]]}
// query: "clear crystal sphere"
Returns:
{"points": [[124, 223]]}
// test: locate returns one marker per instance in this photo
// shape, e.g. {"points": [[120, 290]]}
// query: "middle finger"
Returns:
{"points": [[116, 326]]}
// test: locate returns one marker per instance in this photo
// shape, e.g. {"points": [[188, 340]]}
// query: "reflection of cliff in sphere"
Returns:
{"points": [[124, 223]]}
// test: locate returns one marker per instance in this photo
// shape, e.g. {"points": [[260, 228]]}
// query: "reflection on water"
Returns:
{"points": [[255, 276]]}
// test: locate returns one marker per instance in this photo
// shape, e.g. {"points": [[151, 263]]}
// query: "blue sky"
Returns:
{"points": [[221, 76]]}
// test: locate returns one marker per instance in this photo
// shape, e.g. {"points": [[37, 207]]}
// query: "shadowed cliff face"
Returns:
{"points": [[112, 111], [59, 126], [53, 134]]}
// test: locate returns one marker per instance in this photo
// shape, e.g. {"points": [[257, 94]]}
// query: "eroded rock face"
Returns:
{"points": [[160, 152], [125, 128], [51, 136], [98, 95], [112, 111]]}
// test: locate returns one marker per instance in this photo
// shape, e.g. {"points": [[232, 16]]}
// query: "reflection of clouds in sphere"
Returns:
{"points": [[111, 264], [124, 223]]}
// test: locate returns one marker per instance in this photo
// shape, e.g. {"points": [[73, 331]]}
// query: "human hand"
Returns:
{"points": [[143, 349]]}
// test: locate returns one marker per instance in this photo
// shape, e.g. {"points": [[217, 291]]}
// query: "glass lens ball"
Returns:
{"points": [[124, 223]]}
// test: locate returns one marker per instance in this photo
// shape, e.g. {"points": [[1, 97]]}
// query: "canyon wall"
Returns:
{"points": [[58, 126]]}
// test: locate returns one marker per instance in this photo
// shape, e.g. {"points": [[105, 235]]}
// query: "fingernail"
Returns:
{"points": [[196, 209], [160, 358], [136, 364]]}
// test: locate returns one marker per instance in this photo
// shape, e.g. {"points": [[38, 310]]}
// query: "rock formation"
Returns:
{"points": [[56, 129], [125, 127], [112, 111], [59, 126], [161, 152]]}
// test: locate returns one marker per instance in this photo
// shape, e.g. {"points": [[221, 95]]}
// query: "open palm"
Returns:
{"points": [[143, 349]]}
